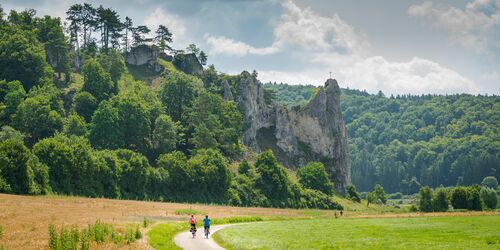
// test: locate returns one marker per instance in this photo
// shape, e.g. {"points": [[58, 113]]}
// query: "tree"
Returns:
{"points": [[165, 134], [191, 48], [105, 129], [37, 118], [203, 58], [352, 194], [7, 132], [127, 25], [50, 33], [82, 18], [178, 93], [490, 182], [114, 63], [163, 38], [84, 104], [489, 197], [440, 200], [20, 170], [425, 199], [273, 180], [108, 21], [75, 125], [97, 81], [11, 95], [379, 193], [474, 198], [314, 176], [22, 57], [139, 35], [459, 198]]}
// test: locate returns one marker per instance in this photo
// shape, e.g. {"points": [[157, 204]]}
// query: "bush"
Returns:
{"points": [[397, 195], [489, 197], [490, 182], [440, 200], [314, 176], [425, 201], [352, 194], [459, 198], [474, 199]]}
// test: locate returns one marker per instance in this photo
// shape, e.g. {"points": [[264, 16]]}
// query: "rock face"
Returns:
{"points": [[188, 63], [315, 132], [144, 55], [226, 91]]}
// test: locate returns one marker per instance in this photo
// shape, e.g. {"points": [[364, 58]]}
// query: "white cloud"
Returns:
{"points": [[172, 21], [476, 27], [228, 46]]}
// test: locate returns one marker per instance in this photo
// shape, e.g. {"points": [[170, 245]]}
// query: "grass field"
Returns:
{"points": [[24, 220], [446, 232]]}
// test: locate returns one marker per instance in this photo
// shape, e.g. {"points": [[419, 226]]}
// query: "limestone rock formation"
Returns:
{"points": [[226, 91], [144, 55], [188, 63], [315, 132]]}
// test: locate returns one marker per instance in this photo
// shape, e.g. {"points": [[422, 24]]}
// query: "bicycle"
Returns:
{"points": [[207, 231], [193, 231]]}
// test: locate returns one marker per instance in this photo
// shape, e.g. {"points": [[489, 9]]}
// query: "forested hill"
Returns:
{"points": [[405, 142]]}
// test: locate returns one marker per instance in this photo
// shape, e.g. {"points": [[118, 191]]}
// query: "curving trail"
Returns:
{"points": [[185, 240]]}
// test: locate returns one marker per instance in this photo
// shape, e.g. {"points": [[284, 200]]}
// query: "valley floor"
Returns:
{"points": [[443, 232]]}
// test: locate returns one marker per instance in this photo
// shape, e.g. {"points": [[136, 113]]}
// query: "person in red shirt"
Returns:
{"points": [[192, 221]]}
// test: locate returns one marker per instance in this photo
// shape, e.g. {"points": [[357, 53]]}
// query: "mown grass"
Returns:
{"points": [[453, 232], [188, 211], [161, 236]]}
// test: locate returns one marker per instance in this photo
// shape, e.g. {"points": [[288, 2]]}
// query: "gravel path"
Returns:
{"points": [[186, 241]]}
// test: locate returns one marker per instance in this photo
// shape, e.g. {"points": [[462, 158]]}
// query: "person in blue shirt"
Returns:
{"points": [[206, 224]]}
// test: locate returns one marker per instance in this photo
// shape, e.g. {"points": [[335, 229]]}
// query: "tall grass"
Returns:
{"points": [[188, 212], [99, 232]]}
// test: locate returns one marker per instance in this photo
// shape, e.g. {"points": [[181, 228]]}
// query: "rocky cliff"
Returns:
{"points": [[315, 132]]}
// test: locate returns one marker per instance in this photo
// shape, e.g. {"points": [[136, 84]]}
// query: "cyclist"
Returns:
{"points": [[206, 224], [192, 221]]}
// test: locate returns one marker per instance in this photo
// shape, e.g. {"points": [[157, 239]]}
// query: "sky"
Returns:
{"points": [[399, 47]]}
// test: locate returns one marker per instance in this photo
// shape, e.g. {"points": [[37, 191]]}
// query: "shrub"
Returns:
{"points": [[397, 195], [474, 199], [1, 231], [459, 198], [314, 176], [352, 194], [425, 202], [489, 197], [440, 200], [146, 222], [490, 182]]}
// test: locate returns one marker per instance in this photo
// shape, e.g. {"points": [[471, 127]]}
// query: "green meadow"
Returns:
{"points": [[450, 232]]}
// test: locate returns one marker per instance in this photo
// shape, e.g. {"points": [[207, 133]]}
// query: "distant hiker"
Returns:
{"points": [[206, 225], [192, 221], [341, 213]]}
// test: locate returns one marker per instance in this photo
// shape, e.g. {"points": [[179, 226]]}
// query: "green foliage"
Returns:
{"points": [[314, 176], [7, 132], [188, 211], [97, 81], [289, 95], [352, 194], [85, 104], [489, 197], [178, 93], [166, 134], [379, 193], [22, 57], [20, 171], [474, 198], [113, 63], [50, 33], [490, 182], [216, 124], [75, 125], [11, 95], [425, 200], [459, 198], [404, 141], [37, 117], [161, 236], [273, 180], [440, 200]]}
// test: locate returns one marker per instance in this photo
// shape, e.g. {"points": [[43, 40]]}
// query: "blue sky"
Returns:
{"points": [[395, 46]]}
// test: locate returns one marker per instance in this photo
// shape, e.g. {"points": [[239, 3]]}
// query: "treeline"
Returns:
{"points": [[111, 136], [406, 142], [474, 198]]}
